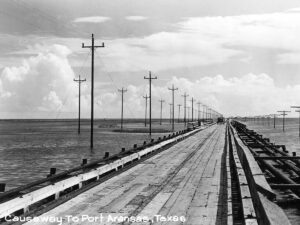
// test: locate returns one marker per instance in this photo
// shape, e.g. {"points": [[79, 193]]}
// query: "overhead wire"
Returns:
{"points": [[113, 82], [54, 20], [68, 93]]}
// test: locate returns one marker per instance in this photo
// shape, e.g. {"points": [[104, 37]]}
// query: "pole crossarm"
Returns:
{"points": [[283, 112]]}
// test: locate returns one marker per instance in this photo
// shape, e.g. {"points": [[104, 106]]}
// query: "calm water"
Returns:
{"points": [[29, 148], [290, 138]]}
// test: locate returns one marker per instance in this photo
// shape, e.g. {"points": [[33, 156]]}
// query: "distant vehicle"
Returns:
{"points": [[221, 120], [192, 125]]}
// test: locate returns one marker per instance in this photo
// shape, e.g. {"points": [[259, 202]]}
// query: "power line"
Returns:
{"points": [[55, 21], [113, 82]]}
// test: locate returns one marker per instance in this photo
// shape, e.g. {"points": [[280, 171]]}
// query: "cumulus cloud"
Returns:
{"points": [[91, 19], [41, 83], [136, 18], [44, 84], [249, 94]]}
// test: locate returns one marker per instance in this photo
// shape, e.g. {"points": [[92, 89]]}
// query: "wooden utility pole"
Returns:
{"points": [[161, 105], [268, 117], [146, 99], [122, 92], [297, 107], [92, 47], [79, 81], [283, 113], [208, 112], [203, 112], [192, 100], [170, 120], [188, 119], [184, 106], [173, 103], [299, 120], [179, 105], [150, 78], [198, 103]]}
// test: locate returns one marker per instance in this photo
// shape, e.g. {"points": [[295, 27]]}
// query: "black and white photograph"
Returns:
{"points": [[144, 112]]}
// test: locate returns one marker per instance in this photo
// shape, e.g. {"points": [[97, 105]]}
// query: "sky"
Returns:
{"points": [[241, 58]]}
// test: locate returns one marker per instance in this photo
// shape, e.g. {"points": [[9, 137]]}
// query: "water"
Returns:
{"points": [[29, 148], [290, 138]]}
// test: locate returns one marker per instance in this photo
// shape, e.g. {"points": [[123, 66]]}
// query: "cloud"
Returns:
{"points": [[249, 94], [41, 83], [91, 19], [136, 18], [202, 41], [43, 87]]}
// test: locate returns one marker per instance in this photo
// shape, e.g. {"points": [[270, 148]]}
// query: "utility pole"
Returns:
{"points": [[203, 112], [297, 107], [284, 113], [79, 94], [92, 47], [150, 78], [192, 109], [161, 104], [188, 113], [208, 113], [173, 115], [179, 105], [170, 112], [299, 120], [122, 91], [184, 103], [198, 103], [146, 98]]}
